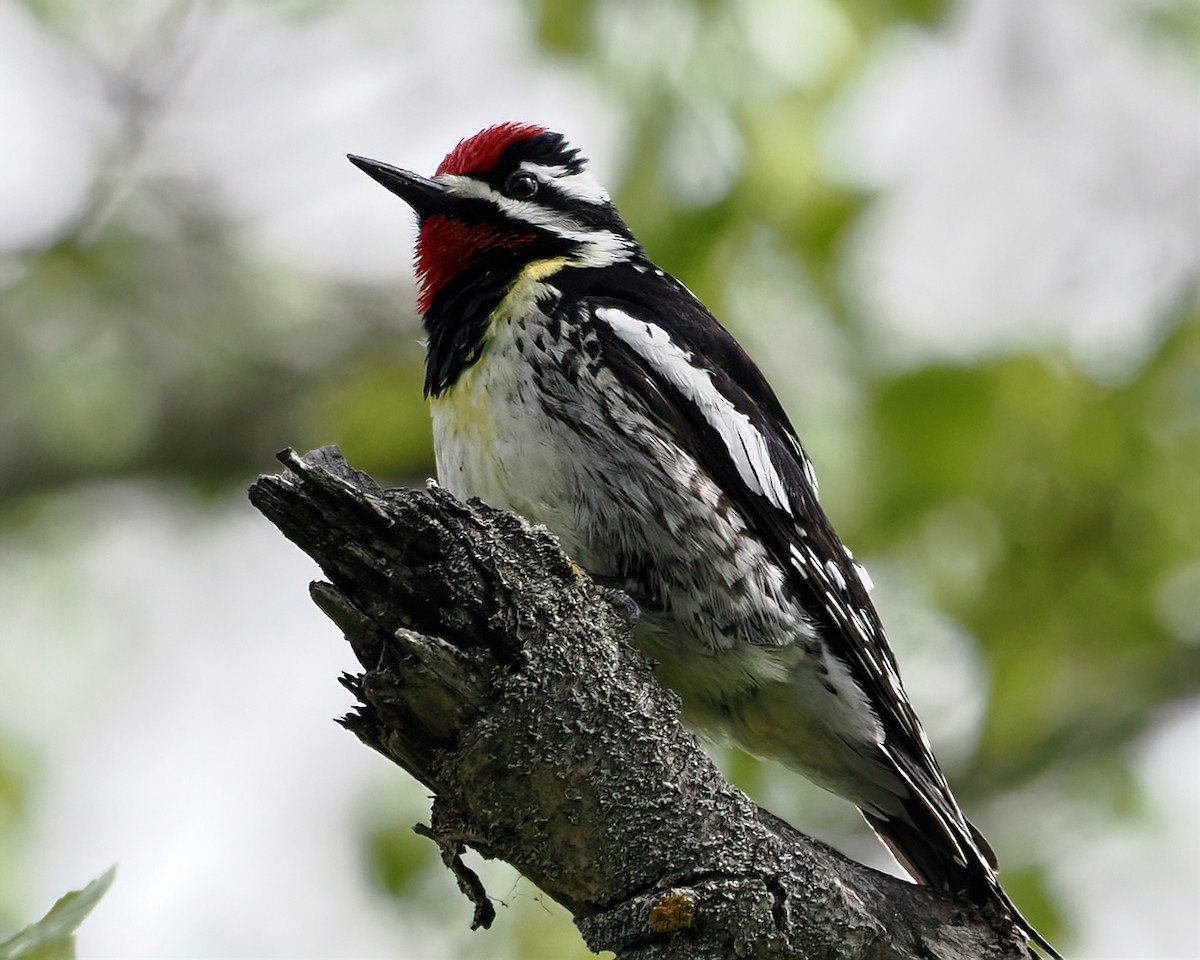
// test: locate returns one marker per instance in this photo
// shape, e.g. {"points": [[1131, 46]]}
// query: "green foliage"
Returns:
{"points": [[563, 28], [14, 783], [373, 406], [1051, 514], [156, 345], [397, 857], [53, 937], [1028, 887], [1046, 511], [543, 928], [16, 768]]}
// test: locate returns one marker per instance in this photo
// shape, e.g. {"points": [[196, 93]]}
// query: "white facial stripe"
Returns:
{"points": [[745, 445], [600, 246], [580, 186], [952, 830]]}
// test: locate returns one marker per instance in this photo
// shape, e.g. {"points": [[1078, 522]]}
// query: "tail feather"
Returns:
{"points": [[965, 868]]}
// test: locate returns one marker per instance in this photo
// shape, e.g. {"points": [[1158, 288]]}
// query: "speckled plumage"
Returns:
{"points": [[520, 431], [573, 382]]}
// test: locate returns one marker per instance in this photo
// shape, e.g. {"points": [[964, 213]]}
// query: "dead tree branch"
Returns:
{"points": [[500, 676]]}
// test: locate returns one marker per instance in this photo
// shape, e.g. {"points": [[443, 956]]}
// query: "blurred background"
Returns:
{"points": [[962, 238]]}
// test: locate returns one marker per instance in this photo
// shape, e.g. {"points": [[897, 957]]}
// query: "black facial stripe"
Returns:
{"points": [[585, 213], [546, 149], [581, 215], [457, 320], [550, 150]]}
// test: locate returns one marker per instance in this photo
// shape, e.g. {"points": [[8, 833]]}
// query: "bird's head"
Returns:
{"points": [[503, 198]]}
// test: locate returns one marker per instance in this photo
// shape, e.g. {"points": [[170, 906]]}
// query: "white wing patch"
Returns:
{"points": [[745, 445], [809, 473], [864, 577]]}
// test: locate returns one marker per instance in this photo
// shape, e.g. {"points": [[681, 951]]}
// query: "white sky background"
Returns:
{"points": [[1040, 163], [181, 701]]}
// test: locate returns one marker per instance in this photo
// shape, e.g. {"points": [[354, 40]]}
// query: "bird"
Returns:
{"points": [[572, 381]]}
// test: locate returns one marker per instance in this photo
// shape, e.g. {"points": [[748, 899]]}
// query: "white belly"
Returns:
{"points": [[490, 441], [727, 635]]}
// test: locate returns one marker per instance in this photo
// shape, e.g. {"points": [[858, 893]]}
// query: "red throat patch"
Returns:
{"points": [[445, 246], [480, 152]]}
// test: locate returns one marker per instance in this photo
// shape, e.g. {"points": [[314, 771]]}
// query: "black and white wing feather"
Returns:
{"points": [[711, 398]]}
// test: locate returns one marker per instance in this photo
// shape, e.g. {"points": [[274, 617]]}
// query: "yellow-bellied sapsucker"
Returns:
{"points": [[577, 384]]}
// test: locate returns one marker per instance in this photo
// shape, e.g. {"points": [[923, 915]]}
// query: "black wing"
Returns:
{"points": [[936, 843]]}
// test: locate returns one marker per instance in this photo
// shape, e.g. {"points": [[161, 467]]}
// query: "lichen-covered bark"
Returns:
{"points": [[503, 678]]}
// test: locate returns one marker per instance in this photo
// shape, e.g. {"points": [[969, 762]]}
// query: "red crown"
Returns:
{"points": [[481, 151]]}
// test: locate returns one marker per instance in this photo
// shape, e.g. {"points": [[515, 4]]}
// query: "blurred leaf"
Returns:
{"points": [[1029, 889], [562, 27], [377, 414], [542, 929], [1053, 516], [157, 345], [744, 770], [880, 13], [15, 765], [1086, 495], [1176, 22], [53, 937], [398, 858]]}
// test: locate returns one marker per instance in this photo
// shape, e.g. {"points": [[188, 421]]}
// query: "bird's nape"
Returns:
{"points": [[574, 382]]}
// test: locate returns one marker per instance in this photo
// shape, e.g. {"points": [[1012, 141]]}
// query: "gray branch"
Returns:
{"points": [[500, 676]]}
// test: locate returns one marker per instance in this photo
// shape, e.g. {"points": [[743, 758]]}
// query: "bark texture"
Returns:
{"points": [[500, 676]]}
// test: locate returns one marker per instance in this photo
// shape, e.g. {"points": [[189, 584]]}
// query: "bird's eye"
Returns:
{"points": [[521, 185]]}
